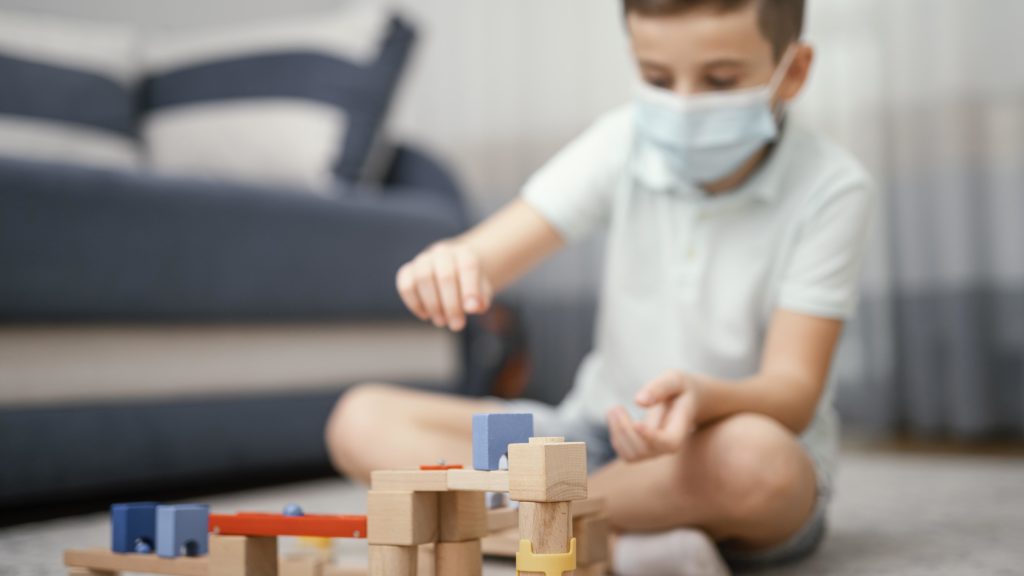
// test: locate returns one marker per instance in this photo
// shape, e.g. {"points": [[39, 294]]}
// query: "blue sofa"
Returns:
{"points": [[80, 246]]}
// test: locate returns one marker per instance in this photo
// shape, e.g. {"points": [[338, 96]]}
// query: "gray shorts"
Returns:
{"points": [[551, 421]]}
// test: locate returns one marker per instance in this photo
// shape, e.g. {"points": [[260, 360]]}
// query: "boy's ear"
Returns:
{"points": [[796, 76]]}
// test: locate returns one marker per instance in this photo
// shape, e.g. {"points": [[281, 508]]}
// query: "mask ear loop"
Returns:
{"points": [[779, 76]]}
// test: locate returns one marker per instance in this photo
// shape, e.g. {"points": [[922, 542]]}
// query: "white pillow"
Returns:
{"points": [[266, 102], [67, 90]]}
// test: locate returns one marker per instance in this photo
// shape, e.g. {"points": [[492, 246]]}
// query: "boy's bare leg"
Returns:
{"points": [[380, 426], [745, 479]]}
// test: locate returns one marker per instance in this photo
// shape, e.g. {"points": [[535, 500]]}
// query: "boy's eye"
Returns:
{"points": [[659, 82], [721, 82]]}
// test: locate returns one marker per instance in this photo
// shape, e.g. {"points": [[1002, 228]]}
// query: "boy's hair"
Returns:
{"points": [[781, 21]]}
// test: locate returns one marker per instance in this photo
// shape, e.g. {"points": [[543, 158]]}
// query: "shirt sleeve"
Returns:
{"points": [[823, 275], [574, 190]]}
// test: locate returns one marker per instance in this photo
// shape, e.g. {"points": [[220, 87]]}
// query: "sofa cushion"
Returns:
{"points": [[296, 101], [67, 92]]}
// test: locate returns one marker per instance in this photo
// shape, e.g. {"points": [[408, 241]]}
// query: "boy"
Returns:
{"points": [[734, 243]]}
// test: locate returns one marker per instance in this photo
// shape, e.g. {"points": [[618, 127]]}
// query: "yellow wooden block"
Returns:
{"points": [[529, 562], [386, 560], [547, 471], [591, 534], [410, 480], [401, 518], [243, 555], [478, 480], [459, 558], [461, 516]]}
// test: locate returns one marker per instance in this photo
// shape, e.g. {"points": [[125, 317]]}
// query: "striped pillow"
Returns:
{"points": [[297, 102], [66, 91]]}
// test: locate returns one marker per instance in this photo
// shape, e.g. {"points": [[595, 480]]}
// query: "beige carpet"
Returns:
{"points": [[907, 514]]}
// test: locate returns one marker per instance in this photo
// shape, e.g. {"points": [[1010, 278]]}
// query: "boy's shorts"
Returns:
{"points": [[550, 421]]}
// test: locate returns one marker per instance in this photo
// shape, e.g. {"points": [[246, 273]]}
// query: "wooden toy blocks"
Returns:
{"points": [[401, 518], [492, 433], [458, 558], [133, 527], [182, 530], [548, 470], [462, 516], [243, 555]]}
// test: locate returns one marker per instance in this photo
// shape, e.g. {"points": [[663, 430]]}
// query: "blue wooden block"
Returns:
{"points": [[132, 524], [492, 433], [292, 510], [182, 530]]}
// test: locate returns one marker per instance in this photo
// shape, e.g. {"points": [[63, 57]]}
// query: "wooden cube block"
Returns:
{"points": [[401, 518], [459, 558], [547, 471], [591, 534], [499, 519], [386, 560], [587, 507], [410, 480], [243, 555], [599, 569], [461, 516]]}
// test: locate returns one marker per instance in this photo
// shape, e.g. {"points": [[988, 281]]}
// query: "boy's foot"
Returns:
{"points": [[679, 552]]}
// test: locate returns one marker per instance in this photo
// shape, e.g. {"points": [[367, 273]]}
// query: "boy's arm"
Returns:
{"points": [[459, 276], [794, 369]]}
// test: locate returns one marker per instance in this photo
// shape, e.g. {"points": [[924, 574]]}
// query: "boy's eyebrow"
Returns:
{"points": [[724, 63]]}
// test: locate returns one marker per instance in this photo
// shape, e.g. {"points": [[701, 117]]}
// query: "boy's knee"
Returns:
{"points": [[354, 417], [759, 464]]}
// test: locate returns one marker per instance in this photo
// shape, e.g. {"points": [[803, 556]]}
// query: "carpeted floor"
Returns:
{"points": [[894, 513]]}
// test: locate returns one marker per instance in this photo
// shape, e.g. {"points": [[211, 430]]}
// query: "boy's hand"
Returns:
{"points": [[672, 402], [444, 284]]}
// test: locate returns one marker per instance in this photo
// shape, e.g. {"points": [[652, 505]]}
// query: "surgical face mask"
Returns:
{"points": [[703, 138]]}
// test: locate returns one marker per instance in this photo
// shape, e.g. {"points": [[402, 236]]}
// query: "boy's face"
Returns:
{"points": [[707, 50]]}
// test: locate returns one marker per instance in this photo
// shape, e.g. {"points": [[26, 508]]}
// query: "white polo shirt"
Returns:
{"points": [[691, 280]]}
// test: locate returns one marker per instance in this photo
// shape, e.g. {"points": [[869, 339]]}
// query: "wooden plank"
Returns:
{"points": [[101, 560], [502, 544], [591, 534], [478, 480], [410, 480], [499, 519], [587, 507]]}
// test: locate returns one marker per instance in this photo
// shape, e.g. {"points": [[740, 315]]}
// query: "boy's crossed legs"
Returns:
{"points": [[745, 480]]}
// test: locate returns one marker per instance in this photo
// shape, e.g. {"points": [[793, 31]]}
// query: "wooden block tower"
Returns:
{"points": [[445, 509]]}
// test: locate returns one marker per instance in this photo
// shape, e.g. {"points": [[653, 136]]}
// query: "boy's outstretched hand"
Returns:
{"points": [[444, 284], [672, 402]]}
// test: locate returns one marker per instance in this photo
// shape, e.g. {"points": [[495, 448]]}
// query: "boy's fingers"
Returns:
{"points": [[660, 389], [630, 437], [448, 285], [660, 440], [469, 281], [405, 281], [679, 421], [426, 288], [617, 438], [654, 419]]}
